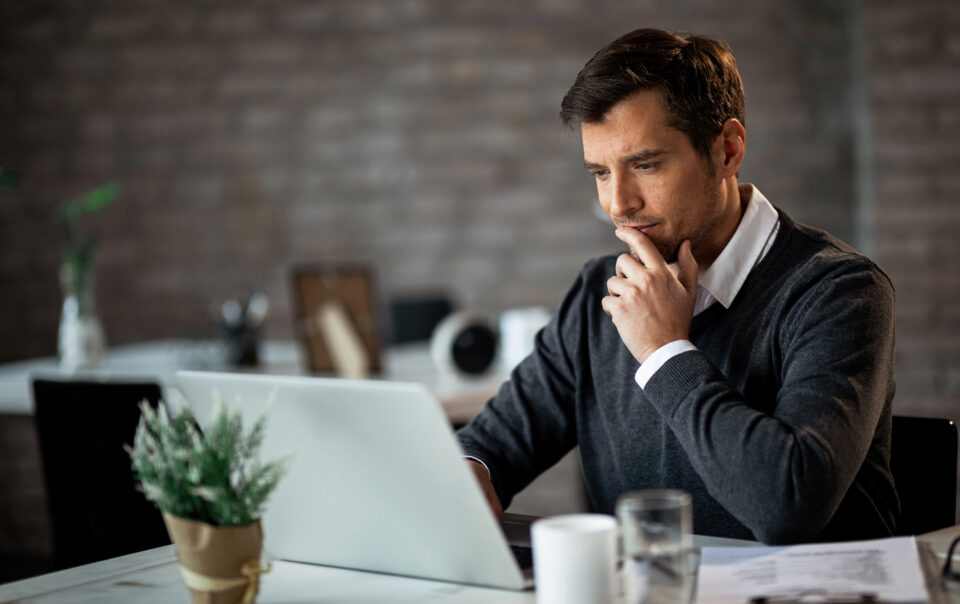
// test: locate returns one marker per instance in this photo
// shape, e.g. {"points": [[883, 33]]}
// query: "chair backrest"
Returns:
{"points": [[923, 458], [95, 511], [413, 318]]}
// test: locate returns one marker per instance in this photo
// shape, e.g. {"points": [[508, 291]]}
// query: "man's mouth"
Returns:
{"points": [[643, 228]]}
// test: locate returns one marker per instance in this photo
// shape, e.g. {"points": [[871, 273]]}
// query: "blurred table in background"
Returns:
{"points": [[462, 398], [24, 531]]}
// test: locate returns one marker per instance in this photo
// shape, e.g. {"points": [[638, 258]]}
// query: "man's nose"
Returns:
{"points": [[625, 199]]}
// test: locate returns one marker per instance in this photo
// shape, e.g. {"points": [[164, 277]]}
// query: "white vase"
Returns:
{"points": [[80, 341]]}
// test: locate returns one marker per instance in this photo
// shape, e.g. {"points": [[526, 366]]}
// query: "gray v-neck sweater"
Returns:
{"points": [[778, 425]]}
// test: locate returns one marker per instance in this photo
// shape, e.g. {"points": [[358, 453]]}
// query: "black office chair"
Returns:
{"points": [[923, 458], [95, 511], [413, 318]]}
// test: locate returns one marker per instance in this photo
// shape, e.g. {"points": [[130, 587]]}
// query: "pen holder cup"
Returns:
{"points": [[241, 345]]}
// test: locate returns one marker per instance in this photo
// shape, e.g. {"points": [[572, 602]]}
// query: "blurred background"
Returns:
{"points": [[420, 138]]}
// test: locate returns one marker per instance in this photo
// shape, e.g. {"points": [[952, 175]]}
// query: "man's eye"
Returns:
{"points": [[646, 166], [600, 173]]}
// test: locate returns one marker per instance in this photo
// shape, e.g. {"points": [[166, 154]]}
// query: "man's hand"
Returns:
{"points": [[649, 305], [483, 477]]}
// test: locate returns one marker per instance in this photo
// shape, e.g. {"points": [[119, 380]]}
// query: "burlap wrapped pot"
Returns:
{"points": [[220, 565]]}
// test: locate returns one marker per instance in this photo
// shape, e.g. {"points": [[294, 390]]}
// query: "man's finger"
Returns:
{"points": [[689, 271], [642, 247], [618, 285], [628, 267], [606, 304]]}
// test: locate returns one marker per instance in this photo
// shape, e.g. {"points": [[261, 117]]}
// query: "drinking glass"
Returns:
{"points": [[657, 529]]}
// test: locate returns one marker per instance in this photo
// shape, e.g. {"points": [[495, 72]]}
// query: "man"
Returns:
{"points": [[735, 353]]}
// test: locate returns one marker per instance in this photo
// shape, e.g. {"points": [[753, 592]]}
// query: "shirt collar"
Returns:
{"points": [[746, 248]]}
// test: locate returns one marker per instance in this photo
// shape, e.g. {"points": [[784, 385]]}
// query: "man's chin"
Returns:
{"points": [[669, 253]]}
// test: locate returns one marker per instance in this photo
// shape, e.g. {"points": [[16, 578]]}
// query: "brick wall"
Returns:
{"points": [[914, 56], [420, 136]]}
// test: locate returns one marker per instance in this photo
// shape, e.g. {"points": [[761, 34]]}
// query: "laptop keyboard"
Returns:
{"points": [[523, 555]]}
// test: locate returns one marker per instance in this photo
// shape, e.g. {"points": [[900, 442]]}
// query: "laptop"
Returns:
{"points": [[378, 481]]}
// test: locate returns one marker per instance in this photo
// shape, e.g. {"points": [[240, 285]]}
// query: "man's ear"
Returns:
{"points": [[732, 143]]}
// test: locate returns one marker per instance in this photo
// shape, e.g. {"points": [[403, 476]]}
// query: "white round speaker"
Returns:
{"points": [[464, 344]]}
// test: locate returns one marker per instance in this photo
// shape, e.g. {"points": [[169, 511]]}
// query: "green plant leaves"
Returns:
{"points": [[92, 201], [213, 477], [9, 179]]}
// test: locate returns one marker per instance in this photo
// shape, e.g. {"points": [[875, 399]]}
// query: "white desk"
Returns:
{"points": [[153, 576], [160, 360]]}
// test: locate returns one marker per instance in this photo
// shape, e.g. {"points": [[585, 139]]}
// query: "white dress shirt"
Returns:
{"points": [[722, 281]]}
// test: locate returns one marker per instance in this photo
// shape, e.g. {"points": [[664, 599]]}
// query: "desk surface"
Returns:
{"points": [[462, 398], [153, 576]]}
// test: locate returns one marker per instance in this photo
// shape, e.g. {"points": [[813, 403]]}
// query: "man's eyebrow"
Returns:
{"points": [[645, 155], [639, 156]]}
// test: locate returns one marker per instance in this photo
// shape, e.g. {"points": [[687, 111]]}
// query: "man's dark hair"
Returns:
{"points": [[698, 77]]}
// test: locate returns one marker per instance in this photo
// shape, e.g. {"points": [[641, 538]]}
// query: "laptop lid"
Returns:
{"points": [[378, 481]]}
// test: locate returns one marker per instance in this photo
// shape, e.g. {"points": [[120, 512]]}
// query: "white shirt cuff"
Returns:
{"points": [[481, 462], [660, 356]]}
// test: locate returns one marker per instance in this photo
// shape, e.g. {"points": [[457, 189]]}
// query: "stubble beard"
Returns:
{"points": [[670, 249]]}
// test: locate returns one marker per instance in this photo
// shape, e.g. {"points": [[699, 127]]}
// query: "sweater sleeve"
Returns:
{"points": [[529, 425], [783, 474]]}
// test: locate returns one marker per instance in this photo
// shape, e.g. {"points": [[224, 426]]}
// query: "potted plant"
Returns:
{"points": [[81, 343], [211, 490], [80, 340]]}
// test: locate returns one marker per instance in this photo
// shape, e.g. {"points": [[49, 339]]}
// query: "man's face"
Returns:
{"points": [[649, 177]]}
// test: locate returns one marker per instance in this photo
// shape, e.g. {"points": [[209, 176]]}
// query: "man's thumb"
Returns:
{"points": [[688, 267]]}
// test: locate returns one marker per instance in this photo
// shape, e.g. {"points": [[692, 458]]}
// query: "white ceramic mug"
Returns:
{"points": [[575, 559]]}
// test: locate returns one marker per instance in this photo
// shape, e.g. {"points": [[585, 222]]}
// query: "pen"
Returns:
{"points": [[813, 596]]}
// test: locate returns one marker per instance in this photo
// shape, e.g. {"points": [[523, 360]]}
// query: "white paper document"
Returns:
{"points": [[886, 570]]}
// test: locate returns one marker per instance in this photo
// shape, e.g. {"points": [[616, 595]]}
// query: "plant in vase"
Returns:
{"points": [[211, 490], [80, 341]]}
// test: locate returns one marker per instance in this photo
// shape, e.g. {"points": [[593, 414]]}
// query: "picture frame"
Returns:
{"points": [[351, 288]]}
